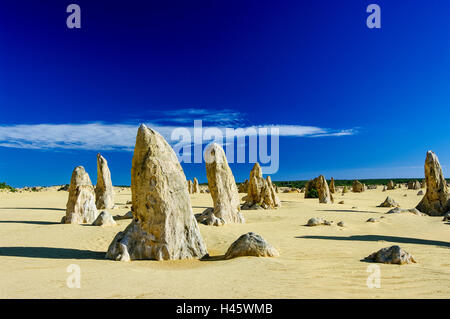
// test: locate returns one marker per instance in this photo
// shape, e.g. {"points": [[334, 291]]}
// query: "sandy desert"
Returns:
{"points": [[314, 262]]}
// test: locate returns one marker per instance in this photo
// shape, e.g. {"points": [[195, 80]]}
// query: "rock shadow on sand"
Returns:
{"points": [[403, 240], [51, 253], [31, 222]]}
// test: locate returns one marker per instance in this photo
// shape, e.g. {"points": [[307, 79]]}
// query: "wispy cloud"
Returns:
{"points": [[100, 136]]}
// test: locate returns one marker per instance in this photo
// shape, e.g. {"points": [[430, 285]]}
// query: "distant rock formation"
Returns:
{"points": [[164, 226], [389, 202], [104, 191], [390, 185], [260, 193], [190, 186], [391, 255], [332, 187], [80, 207], [344, 190], [223, 189], [358, 187], [195, 187], [414, 185], [436, 201], [251, 244]]}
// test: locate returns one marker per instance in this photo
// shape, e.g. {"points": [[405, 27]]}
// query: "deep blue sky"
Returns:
{"points": [[301, 63]]}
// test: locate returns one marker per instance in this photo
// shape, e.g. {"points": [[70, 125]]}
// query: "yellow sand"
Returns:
{"points": [[315, 262]]}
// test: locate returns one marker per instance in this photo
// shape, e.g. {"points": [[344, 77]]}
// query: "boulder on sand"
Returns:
{"points": [[391, 255], [164, 226], [250, 244], [323, 190], [414, 185], [104, 191], [80, 207], [390, 185], [436, 201], [104, 219], [389, 202], [226, 203]]}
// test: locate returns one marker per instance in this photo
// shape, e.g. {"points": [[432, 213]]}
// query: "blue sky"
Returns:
{"points": [[352, 102]]}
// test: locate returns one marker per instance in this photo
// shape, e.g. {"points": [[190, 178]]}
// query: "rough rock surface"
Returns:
{"points": [[436, 201], [391, 255], [195, 187], [104, 219], [104, 191], [250, 244], [324, 192], [164, 226], [223, 189], [261, 193], [243, 187], [80, 207], [389, 202], [332, 187], [358, 187], [420, 193]]}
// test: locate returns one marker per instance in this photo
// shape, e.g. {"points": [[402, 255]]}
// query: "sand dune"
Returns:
{"points": [[314, 262]]}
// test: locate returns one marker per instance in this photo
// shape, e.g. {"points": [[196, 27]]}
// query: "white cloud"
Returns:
{"points": [[101, 136]]}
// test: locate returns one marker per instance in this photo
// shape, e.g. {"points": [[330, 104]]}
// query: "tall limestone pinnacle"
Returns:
{"points": [[164, 226], [436, 201], [260, 192], [223, 190], [80, 207], [104, 191]]}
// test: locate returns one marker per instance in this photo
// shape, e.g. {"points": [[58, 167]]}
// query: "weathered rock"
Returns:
{"points": [[371, 220], [164, 226], [243, 187], [104, 191], [446, 217], [341, 224], [344, 190], [64, 188], [414, 185], [358, 187], [391, 255], [104, 219], [341, 202], [128, 215], [223, 189], [398, 210], [420, 193], [80, 207], [390, 185], [389, 202], [332, 187], [384, 188], [372, 187], [260, 191], [195, 187], [324, 192], [250, 244], [436, 201]]}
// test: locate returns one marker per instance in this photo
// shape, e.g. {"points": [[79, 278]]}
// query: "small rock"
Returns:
{"points": [[371, 220], [250, 244], [341, 202], [420, 193], [397, 210], [391, 255], [389, 202], [341, 224]]}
